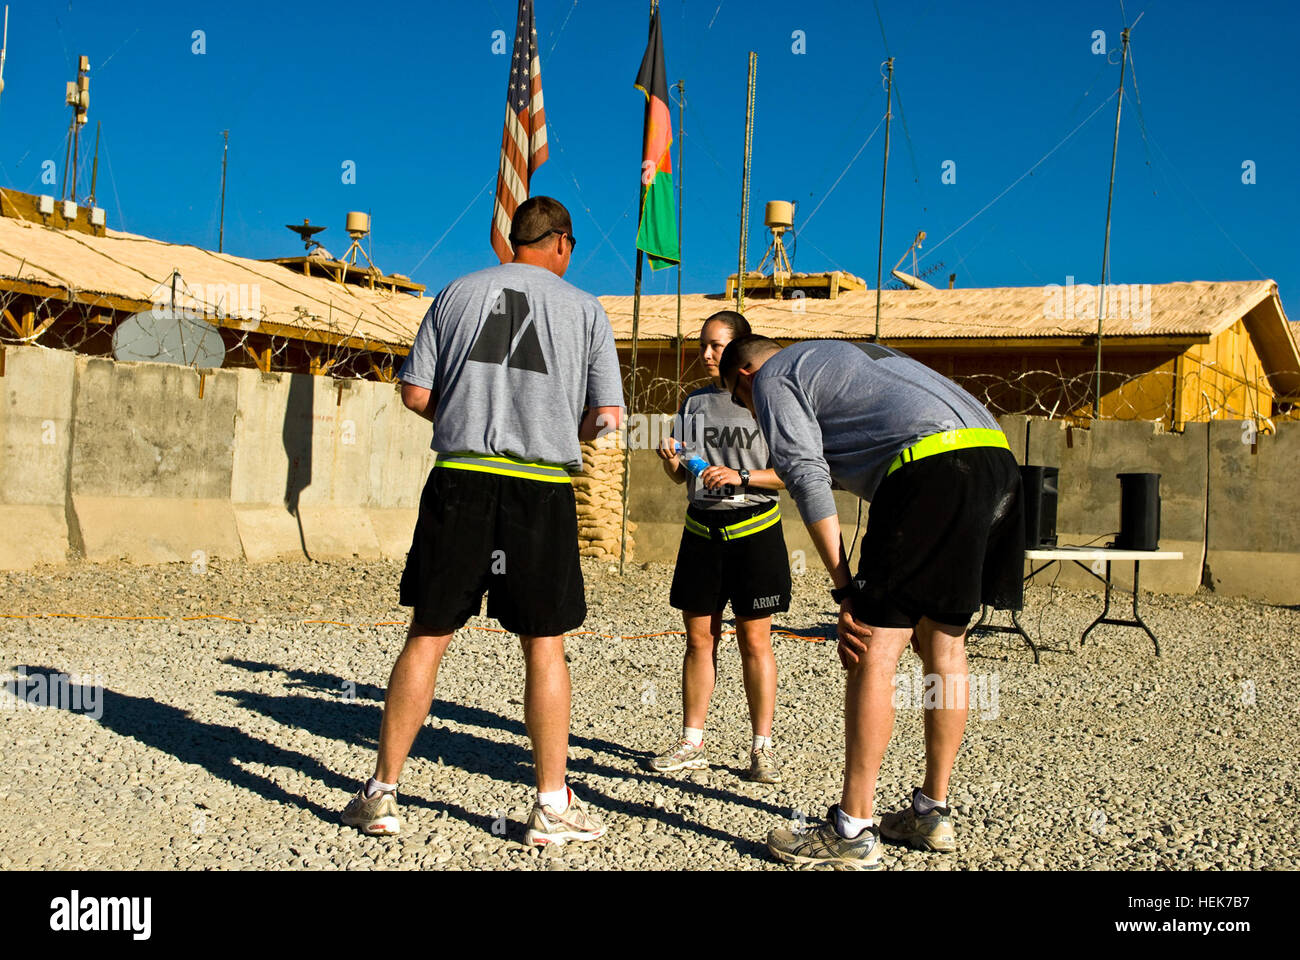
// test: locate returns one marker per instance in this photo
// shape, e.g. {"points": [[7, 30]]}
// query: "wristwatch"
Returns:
{"points": [[839, 594], [744, 480]]}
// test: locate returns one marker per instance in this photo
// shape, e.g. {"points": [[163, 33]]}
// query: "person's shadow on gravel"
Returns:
{"points": [[217, 748], [350, 721], [468, 716]]}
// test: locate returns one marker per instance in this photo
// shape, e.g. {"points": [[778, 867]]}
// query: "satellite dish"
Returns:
{"points": [[168, 336]]}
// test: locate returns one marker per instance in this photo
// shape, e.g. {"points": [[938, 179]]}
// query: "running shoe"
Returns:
{"points": [[377, 815], [762, 767], [824, 845], [685, 756], [548, 826], [925, 831]]}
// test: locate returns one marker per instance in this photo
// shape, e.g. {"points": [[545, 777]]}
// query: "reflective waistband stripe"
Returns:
{"points": [[734, 531], [948, 441], [503, 466]]}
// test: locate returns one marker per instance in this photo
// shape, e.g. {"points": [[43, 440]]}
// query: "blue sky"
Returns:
{"points": [[413, 95]]}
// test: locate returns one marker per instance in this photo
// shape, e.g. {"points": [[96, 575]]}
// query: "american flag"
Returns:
{"points": [[523, 142]]}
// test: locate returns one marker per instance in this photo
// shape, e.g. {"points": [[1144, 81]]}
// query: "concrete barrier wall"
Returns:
{"points": [[107, 461], [36, 398], [1254, 521]]}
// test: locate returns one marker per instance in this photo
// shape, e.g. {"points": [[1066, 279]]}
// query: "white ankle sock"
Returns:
{"points": [[850, 827], [374, 786], [557, 800], [760, 742], [923, 804], [695, 736]]}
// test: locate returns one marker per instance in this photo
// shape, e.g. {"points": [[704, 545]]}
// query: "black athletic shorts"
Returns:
{"points": [[944, 534], [517, 539], [752, 572]]}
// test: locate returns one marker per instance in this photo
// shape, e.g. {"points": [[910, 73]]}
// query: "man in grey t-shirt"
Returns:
{"points": [[504, 364], [945, 534]]}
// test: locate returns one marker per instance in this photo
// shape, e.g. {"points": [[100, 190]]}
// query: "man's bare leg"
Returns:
{"points": [[699, 665], [869, 717], [758, 664], [943, 653], [409, 697], [546, 708]]}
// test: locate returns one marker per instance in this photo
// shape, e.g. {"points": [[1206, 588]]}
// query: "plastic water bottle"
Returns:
{"points": [[694, 463]]}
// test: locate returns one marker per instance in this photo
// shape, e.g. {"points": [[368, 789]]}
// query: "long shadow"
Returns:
{"points": [[463, 750], [444, 710], [507, 762], [214, 747]]}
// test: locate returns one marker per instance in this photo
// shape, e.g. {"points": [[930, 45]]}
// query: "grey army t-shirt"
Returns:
{"points": [[513, 354], [725, 435], [830, 409]]}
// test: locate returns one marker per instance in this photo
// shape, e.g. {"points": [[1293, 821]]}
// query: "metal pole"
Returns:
{"points": [[681, 186], [1105, 255], [94, 168], [221, 228], [631, 401], [744, 182], [4, 46], [884, 172]]}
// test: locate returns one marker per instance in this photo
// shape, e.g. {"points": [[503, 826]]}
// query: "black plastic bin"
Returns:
{"points": [[1139, 511]]}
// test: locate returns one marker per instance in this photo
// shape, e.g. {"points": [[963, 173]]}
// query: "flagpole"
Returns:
{"points": [[681, 185], [631, 400], [884, 173], [1105, 253], [744, 182]]}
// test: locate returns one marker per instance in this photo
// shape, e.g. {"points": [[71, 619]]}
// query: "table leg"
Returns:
{"points": [[1137, 618], [1104, 610], [1015, 618]]}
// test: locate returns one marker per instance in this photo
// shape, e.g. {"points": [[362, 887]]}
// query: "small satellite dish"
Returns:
{"points": [[168, 336]]}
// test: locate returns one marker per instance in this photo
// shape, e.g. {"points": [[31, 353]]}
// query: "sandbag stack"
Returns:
{"points": [[599, 494]]}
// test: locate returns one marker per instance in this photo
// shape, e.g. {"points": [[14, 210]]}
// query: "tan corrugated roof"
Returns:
{"points": [[1175, 309], [134, 268]]}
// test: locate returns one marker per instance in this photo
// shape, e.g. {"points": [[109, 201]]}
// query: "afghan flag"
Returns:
{"points": [[657, 232]]}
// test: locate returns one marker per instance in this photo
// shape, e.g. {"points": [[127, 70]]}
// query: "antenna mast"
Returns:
{"points": [[4, 45], [1110, 196], [884, 172], [221, 229], [78, 98]]}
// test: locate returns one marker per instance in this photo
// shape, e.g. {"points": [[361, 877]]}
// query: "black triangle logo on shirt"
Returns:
{"points": [[504, 324]]}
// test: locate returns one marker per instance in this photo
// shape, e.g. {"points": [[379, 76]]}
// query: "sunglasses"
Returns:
{"points": [[573, 241]]}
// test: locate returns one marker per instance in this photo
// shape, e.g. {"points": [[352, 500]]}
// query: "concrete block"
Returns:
{"points": [[1272, 577], [338, 533], [141, 430], [155, 529], [36, 426], [33, 535], [393, 529], [268, 533]]}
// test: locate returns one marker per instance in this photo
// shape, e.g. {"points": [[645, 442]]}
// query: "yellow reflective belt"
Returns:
{"points": [[734, 531], [947, 441], [504, 466]]}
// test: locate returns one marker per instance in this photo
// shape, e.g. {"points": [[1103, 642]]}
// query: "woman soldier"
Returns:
{"points": [[732, 550]]}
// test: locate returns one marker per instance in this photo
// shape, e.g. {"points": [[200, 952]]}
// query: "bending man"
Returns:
{"points": [[944, 534]]}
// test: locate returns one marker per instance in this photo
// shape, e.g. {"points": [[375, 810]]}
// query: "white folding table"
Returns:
{"points": [[1086, 557]]}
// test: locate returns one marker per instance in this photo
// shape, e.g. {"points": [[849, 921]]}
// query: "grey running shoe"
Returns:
{"points": [[762, 766], [824, 845], [546, 826], [377, 815], [685, 756], [925, 831]]}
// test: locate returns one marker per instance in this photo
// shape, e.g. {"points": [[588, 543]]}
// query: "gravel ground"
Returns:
{"points": [[220, 744]]}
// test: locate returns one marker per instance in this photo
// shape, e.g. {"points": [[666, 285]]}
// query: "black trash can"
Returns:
{"points": [[1139, 511], [1040, 485]]}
